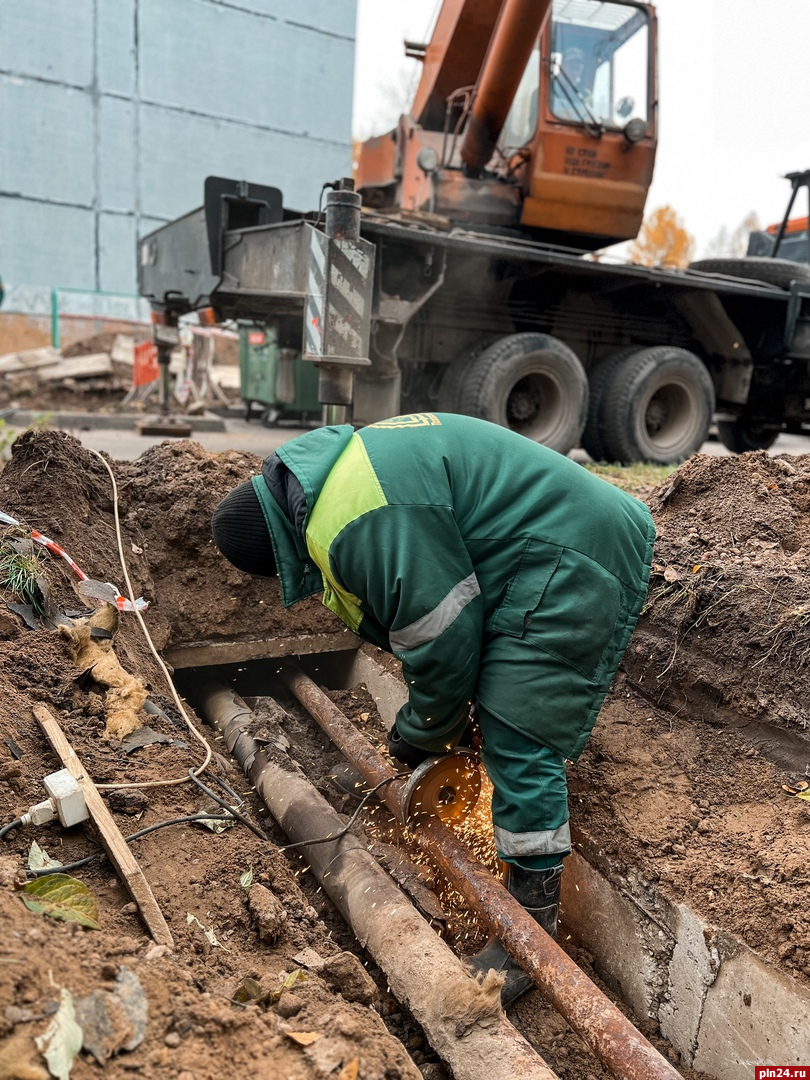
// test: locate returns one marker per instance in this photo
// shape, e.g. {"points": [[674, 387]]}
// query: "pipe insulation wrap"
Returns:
{"points": [[620, 1047], [462, 1019]]}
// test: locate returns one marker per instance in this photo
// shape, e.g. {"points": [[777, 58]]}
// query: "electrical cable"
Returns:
{"points": [[350, 822], [16, 824], [225, 806], [229, 813], [134, 836], [175, 696], [193, 774]]}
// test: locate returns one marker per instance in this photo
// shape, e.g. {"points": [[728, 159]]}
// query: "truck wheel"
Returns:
{"points": [[741, 435], [598, 382], [756, 268], [456, 373], [658, 407], [531, 383]]}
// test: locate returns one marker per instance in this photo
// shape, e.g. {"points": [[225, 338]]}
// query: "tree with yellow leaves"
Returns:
{"points": [[662, 241]]}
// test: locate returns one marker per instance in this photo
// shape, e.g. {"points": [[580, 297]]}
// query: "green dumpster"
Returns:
{"points": [[275, 380]]}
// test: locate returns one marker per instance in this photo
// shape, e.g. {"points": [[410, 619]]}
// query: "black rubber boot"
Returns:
{"points": [[538, 891]]}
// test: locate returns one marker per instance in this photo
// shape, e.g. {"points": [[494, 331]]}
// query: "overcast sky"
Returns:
{"points": [[734, 89]]}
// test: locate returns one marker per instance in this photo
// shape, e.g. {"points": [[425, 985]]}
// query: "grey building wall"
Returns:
{"points": [[114, 111]]}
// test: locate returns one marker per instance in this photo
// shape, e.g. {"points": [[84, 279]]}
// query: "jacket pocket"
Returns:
{"points": [[525, 591]]}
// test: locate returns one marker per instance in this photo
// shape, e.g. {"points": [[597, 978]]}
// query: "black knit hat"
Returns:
{"points": [[241, 534]]}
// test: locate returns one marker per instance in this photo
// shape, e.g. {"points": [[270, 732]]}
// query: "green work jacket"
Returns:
{"points": [[439, 537]]}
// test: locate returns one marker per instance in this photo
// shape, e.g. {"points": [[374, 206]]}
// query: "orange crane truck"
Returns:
{"points": [[476, 271]]}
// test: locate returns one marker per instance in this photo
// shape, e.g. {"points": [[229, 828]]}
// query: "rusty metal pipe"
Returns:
{"points": [[619, 1046], [476, 1043], [509, 51]]}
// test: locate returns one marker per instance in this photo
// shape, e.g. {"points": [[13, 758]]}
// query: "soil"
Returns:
{"points": [[711, 719], [682, 778]]}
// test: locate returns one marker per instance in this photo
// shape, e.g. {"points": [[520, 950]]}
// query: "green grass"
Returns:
{"points": [[19, 572], [638, 479]]}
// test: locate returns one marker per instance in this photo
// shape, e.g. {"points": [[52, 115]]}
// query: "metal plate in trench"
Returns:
{"points": [[446, 786]]}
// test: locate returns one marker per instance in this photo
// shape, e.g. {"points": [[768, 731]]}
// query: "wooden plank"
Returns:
{"points": [[77, 367], [28, 360], [210, 653], [123, 350], [112, 839]]}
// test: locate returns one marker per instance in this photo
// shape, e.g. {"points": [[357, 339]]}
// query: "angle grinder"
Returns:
{"points": [[447, 786]]}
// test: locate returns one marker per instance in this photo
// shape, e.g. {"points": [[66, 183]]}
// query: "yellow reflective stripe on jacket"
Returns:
{"points": [[351, 490]]}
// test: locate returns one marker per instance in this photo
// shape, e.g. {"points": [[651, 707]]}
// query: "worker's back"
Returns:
{"points": [[510, 496]]}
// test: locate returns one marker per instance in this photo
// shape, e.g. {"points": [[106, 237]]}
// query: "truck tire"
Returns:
{"points": [[756, 268], [598, 382], [456, 373], [531, 383], [658, 407], [742, 435]]}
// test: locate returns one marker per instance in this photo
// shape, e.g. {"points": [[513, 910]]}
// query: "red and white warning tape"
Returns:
{"points": [[120, 601]]}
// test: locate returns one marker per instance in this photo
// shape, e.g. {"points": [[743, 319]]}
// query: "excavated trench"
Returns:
{"points": [[684, 899], [715, 1004]]}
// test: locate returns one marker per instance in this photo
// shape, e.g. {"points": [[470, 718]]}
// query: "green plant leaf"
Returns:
{"points": [[62, 897], [246, 880], [296, 975]]}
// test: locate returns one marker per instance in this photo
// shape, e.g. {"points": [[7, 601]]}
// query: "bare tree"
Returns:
{"points": [[733, 245]]}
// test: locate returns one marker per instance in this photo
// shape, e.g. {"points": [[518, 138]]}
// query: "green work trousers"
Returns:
{"points": [[530, 797]]}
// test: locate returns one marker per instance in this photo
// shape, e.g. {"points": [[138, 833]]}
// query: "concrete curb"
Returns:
{"points": [[102, 421]]}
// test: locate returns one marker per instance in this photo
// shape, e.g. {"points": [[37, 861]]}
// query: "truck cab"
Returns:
{"points": [[535, 117]]}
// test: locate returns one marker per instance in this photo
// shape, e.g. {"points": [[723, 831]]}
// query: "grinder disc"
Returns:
{"points": [[447, 786]]}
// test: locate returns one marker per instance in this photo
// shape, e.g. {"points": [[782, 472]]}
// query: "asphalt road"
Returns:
{"points": [[253, 437], [240, 435]]}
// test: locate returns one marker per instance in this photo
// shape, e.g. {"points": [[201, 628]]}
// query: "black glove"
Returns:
{"points": [[406, 752]]}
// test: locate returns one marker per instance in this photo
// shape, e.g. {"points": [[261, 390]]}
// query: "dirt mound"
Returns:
{"points": [[98, 343], [726, 629], [686, 786], [167, 497], [230, 992]]}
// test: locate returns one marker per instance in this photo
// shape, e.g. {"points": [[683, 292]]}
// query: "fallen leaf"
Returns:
{"points": [[304, 1038], [246, 879], [136, 550], [297, 975], [248, 990], [62, 897], [209, 933], [38, 859], [216, 824], [350, 1070], [63, 1038], [671, 574]]}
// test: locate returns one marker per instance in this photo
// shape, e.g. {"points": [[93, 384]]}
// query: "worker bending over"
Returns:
{"points": [[496, 570]]}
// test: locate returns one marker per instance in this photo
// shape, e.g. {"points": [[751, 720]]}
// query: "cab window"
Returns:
{"points": [[599, 65]]}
